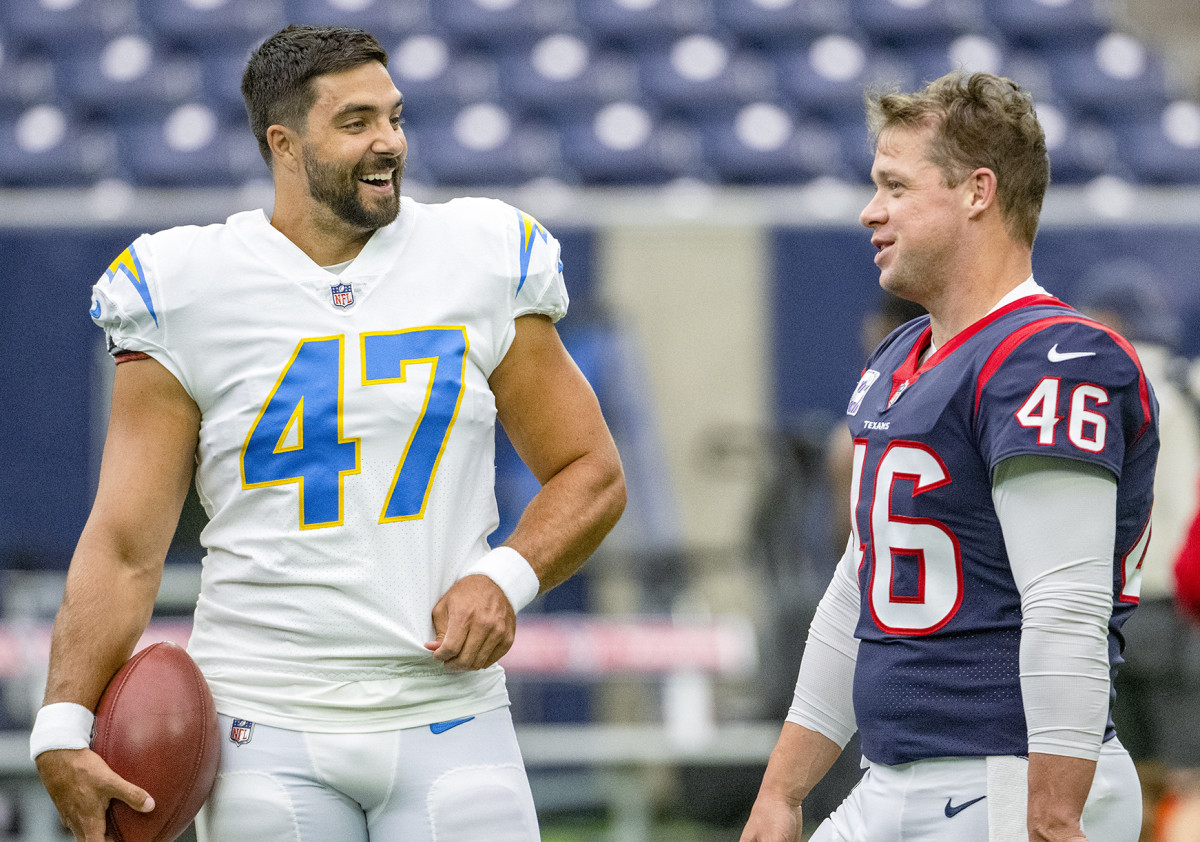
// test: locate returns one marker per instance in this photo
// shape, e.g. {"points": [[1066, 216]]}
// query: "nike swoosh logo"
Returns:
{"points": [[1057, 356], [443, 727], [952, 811]]}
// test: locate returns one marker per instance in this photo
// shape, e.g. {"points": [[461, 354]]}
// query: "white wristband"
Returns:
{"points": [[508, 569], [61, 725]]}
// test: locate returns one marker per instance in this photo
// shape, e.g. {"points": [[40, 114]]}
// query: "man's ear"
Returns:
{"points": [[979, 191], [285, 146]]}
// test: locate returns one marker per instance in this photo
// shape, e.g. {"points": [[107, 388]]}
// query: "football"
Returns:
{"points": [[156, 726]]}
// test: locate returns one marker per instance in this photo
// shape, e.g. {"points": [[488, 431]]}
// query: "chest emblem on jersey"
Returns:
{"points": [[860, 391], [342, 295], [900, 390], [241, 732]]}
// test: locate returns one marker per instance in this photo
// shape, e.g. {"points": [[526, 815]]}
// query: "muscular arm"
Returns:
{"points": [[554, 421], [1058, 518], [117, 566]]}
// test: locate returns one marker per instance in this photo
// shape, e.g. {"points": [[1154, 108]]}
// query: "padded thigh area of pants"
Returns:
{"points": [[249, 805], [466, 799]]}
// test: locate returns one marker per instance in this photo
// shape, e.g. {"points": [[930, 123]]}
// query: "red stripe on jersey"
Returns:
{"points": [[129, 356], [912, 368], [1014, 340]]}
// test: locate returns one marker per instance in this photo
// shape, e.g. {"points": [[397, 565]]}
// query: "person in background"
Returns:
{"points": [[1158, 690], [333, 373], [1004, 455]]}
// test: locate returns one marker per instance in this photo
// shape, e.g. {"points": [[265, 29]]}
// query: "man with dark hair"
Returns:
{"points": [[333, 375], [1004, 454]]}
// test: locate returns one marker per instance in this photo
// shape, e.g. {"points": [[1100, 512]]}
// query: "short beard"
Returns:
{"points": [[337, 189]]}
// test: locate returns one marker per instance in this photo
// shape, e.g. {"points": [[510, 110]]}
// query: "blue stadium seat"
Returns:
{"points": [[25, 79], [699, 74], [896, 22], [63, 28], [190, 147], [971, 53], [1164, 148], [625, 144], [127, 76], [436, 81], [1115, 78], [204, 25], [827, 77], [644, 24], [221, 78], [502, 26], [1054, 25], [387, 20], [762, 144], [564, 76], [44, 146], [485, 144], [755, 22], [1080, 149]]}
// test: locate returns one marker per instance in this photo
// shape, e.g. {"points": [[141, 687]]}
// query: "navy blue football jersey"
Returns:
{"points": [[940, 621]]}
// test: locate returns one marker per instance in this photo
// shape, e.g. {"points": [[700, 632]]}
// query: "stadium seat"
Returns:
{"points": [[699, 74], [900, 22], [221, 78], [205, 24], [190, 147], [1164, 148], [387, 20], [769, 22], [502, 24], [564, 76], [972, 52], [1079, 149], [1115, 78], [127, 76], [762, 144], [44, 146], [24, 79], [644, 24], [1053, 24], [485, 144], [436, 81], [62, 28], [827, 77], [625, 144]]}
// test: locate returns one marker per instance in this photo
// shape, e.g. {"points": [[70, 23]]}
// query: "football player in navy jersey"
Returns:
{"points": [[1004, 453]]}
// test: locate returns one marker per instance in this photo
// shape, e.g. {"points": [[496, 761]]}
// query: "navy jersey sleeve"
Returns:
{"points": [[1062, 386]]}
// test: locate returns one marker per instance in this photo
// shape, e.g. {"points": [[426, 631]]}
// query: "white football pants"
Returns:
{"points": [[465, 782], [955, 799]]}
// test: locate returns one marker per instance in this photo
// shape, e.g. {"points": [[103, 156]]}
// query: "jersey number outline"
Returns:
{"points": [[297, 436], [935, 548], [1040, 412]]}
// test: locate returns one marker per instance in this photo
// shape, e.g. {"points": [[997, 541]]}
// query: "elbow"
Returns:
{"points": [[613, 494]]}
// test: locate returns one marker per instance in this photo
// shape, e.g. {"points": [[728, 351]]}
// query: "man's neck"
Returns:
{"points": [[327, 241]]}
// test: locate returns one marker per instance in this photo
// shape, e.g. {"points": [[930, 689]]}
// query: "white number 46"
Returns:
{"points": [[1086, 428]]}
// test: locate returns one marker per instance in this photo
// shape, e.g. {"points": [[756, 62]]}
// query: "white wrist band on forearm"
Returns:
{"points": [[508, 569], [61, 725]]}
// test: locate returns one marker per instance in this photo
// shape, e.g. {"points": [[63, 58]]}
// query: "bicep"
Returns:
{"points": [[149, 456], [545, 404]]}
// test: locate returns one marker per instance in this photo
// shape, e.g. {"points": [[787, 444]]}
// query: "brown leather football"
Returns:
{"points": [[156, 726]]}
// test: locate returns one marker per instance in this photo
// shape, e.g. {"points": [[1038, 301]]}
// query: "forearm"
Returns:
{"points": [[569, 516], [106, 607], [1058, 789], [798, 762]]}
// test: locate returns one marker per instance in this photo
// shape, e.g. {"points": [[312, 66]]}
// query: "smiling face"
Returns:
{"points": [[916, 219], [354, 147]]}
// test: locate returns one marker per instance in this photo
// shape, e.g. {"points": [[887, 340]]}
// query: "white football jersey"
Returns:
{"points": [[347, 452]]}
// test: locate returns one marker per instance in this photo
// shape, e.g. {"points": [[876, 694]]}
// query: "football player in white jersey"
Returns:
{"points": [[1004, 453], [333, 375]]}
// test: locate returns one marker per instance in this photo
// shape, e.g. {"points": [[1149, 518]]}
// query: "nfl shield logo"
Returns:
{"points": [[241, 731], [860, 391], [343, 295]]}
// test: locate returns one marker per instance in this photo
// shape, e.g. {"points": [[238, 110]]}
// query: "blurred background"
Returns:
{"points": [[703, 163]]}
